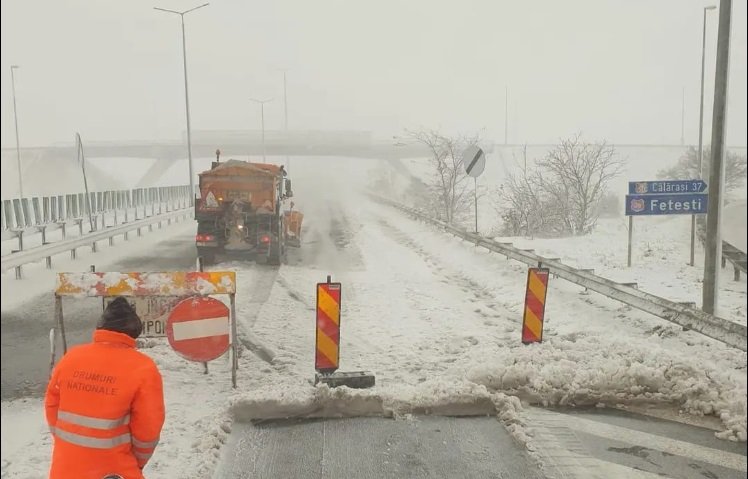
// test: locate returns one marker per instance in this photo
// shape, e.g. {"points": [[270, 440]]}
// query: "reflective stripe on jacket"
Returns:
{"points": [[105, 408]]}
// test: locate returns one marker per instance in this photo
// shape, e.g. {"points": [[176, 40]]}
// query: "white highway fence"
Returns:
{"points": [[112, 213]]}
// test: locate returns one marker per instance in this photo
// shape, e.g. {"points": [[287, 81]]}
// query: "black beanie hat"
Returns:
{"points": [[121, 317]]}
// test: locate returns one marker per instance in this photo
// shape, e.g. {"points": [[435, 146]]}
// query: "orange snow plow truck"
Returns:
{"points": [[241, 213]]}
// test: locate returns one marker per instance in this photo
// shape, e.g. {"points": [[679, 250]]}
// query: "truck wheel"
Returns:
{"points": [[274, 257], [209, 258]]}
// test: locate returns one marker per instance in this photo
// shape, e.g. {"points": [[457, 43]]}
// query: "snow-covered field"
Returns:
{"points": [[660, 260], [438, 322]]}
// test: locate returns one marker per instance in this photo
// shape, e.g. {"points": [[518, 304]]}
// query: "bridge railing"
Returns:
{"points": [[24, 216]]}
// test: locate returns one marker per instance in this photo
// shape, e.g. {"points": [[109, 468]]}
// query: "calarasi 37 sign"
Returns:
{"points": [[666, 187]]}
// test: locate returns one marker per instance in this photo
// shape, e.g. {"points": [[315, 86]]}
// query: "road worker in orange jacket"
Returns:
{"points": [[105, 403]]}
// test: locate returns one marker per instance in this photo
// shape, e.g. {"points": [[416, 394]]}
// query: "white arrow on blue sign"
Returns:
{"points": [[666, 187], [648, 205]]}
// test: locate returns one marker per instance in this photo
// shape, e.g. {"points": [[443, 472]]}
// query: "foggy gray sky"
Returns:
{"points": [[611, 69]]}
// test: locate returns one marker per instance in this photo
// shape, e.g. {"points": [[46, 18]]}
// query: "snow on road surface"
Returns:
{"points": [[435, 319]]}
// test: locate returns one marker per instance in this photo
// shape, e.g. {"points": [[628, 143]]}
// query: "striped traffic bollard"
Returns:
{"points": [[328, 327], [532, 320], [327, 342]]}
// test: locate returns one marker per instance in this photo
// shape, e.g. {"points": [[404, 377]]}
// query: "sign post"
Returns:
{"points": [[666, 197], [631, 235], [474, 161]]}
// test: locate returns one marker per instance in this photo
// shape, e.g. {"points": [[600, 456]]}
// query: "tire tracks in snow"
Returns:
{"points": [[439, 345], [492, 308]]}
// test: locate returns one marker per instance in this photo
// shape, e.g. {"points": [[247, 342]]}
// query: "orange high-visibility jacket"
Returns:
{"points": [[105, 409]]}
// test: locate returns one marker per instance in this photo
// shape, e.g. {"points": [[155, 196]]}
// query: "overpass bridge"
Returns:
{"points": [[359, 144], [292, 143]]}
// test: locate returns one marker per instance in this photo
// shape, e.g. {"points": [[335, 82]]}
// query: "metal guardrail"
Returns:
{"points": [[41, 214], [685, 315], [736, 257], [46, 251]]}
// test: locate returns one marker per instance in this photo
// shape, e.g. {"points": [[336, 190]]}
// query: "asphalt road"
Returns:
{"points": [[573, 443], [368, 448], [24, 333], [592, 443]]}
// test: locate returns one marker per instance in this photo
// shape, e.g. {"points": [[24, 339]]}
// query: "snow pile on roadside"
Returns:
{"points": [[436, 397], [583, 370], [594, 349]]}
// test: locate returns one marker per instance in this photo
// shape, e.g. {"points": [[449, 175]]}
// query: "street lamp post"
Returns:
{"points": [[713, 244], [186, 94], [701, 100], [262, 116], [15, 118], [699, 153], [285, 118]]}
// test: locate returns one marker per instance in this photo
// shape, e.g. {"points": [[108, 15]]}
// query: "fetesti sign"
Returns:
{"points": [[643, 205]]}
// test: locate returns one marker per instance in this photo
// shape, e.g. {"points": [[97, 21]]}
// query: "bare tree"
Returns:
{"points": [[687, 168], [448, 184], [562, 194], [520, 203], [577, 174]]}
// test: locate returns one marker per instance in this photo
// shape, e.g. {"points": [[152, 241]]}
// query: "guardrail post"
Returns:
{"points": [[111, 241], [736, 273], [139, 232], [200, 268], [93, 247], [18, 272], [63, 228], [48, 259], [80, 226]]}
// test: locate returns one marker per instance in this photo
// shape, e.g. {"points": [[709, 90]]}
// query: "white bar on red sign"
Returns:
{"points": [[201, 328]]}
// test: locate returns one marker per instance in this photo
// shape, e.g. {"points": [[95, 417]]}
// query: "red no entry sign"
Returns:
{"points": [[198, 328]]}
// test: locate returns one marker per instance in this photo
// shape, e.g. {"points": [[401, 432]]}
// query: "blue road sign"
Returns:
{"points": [[666, 187], [645, 205]]}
